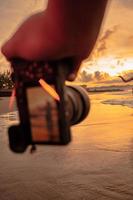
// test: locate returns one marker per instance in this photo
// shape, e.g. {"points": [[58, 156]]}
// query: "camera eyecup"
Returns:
{"points": [[17, 141]]}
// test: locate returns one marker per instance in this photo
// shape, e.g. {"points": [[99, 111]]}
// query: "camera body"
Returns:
{"points": [[43, 118]]}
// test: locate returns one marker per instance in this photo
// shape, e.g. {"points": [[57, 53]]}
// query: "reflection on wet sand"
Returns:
{"points": [[98, 164]]}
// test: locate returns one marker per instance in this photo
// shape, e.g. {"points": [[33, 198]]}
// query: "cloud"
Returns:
{"points": [[127, 3], [103, 77], [97, 76], [85, 77], [116, 79], [102, 42], [128, 74]]}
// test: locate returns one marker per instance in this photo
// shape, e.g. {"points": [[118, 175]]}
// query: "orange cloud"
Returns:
{"points": [[97, 76], [103, 43]]}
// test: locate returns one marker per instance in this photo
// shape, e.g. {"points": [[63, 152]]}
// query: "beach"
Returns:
{"points": [[96, 165]]}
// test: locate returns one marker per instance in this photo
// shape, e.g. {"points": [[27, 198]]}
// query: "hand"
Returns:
{"points": [[62, 31], [39, 39]]}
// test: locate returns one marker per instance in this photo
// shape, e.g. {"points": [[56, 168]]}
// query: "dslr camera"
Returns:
{"points": [[45, 113]]}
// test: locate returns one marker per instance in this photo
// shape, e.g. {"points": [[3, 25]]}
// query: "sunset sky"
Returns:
{"points": [[113, 53]]}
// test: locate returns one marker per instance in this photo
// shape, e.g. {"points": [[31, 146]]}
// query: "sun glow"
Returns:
{"points": [[111, 65]]}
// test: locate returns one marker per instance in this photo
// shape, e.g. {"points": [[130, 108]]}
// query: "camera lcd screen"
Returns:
{"points": [[43, 114]]}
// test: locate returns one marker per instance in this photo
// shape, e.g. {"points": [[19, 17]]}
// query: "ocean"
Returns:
{"points": [[98, 164]]}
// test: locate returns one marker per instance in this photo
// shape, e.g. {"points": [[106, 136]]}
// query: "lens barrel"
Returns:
{"points": [[78, 104]]}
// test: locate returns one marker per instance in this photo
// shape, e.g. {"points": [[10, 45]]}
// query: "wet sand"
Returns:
{"points": [[97, 165]]}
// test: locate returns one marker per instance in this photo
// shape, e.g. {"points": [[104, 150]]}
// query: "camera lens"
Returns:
{"points": [[78, 104]]}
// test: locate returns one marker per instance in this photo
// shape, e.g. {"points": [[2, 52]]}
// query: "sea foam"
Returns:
{"points": [[122, 102]]}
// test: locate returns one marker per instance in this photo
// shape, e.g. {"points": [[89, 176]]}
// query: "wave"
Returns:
{"points": [[122, 102]]}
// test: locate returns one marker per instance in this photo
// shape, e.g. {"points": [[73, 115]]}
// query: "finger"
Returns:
{"points": [[76, 65]]}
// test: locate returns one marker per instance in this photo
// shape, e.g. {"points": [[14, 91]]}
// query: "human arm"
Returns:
{"points": [[67, 28]]}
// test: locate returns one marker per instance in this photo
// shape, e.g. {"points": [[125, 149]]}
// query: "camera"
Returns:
{"points": [[46, 113]]}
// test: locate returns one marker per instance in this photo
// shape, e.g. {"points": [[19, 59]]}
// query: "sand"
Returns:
{"points": [[97, 165]]}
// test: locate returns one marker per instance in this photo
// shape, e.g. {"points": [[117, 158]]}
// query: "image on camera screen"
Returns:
{"points": [[43, 114]]}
